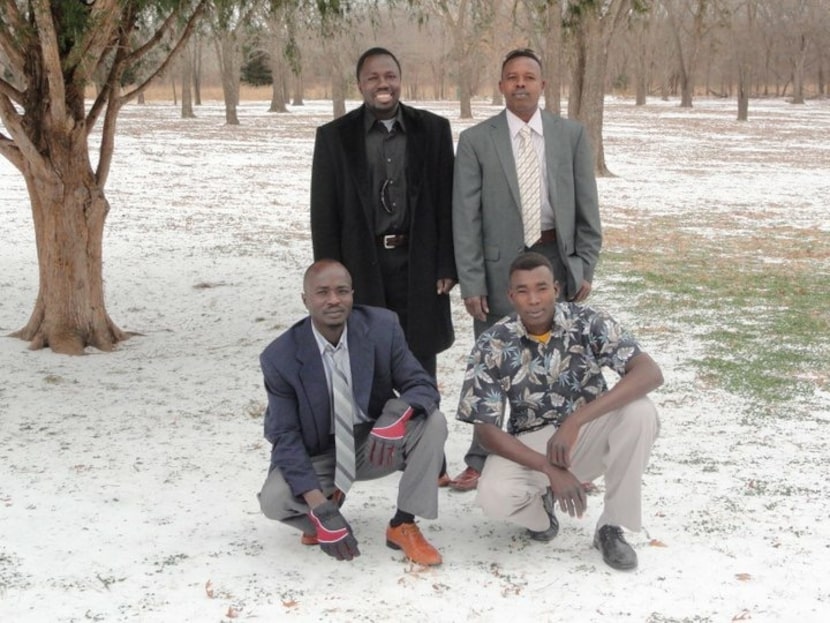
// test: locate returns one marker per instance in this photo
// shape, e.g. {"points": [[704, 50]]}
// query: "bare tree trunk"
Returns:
{"points": [[298, 90], [642, 42], [69, 210], [197, 70], [338, 95], [688, 54], [552, 56], [227, 53], [186, 65], [496, 98], [798, 71], [278, 103], [278, 71], [593, 31], [744, 79], [465, 96], [745, 49], [469, 23]]}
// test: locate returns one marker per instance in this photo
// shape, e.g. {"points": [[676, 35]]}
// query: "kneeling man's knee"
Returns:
{"points": [[496, 497], [273, 497]]}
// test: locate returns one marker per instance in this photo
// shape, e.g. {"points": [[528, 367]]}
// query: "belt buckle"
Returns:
{"points": [[388, 239]]}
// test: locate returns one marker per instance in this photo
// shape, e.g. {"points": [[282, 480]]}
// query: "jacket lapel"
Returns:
{"points": [[552, 128], [354, 145], [313, 378], [362, 360], [415, 159], [500, 132]]}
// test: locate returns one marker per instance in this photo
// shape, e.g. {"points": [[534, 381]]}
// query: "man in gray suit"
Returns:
{"points": [[488, 228]]}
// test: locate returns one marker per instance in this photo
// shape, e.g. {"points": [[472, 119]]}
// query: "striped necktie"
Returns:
{"points": [[344, 418], [530, 182]]}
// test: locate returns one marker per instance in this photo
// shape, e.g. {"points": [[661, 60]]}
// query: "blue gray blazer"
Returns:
{"points": [[298, 417]]}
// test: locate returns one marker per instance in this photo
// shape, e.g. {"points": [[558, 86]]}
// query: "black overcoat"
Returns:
{"points": [[341, 218]]}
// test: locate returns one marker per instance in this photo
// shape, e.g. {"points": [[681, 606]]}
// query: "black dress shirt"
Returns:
{"points": [[386, 155]]}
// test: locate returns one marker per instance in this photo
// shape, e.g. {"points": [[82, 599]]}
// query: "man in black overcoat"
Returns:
{"points": [[381, 204]]}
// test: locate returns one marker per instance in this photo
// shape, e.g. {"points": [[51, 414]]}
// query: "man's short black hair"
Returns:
{"points": [[518, 53], [375, 52], [530, 260]]}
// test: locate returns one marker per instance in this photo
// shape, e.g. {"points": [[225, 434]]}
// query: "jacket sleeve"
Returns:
{"points": [[444, 177], [467, 220], [282, 429], [413, 384], [326, 217], [588, 231]]}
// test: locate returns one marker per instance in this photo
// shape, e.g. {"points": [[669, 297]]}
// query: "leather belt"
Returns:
{"points": [[548, 235], [393, 241]]}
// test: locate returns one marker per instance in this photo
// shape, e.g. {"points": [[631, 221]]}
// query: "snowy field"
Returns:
{"points": [[128, 480]]}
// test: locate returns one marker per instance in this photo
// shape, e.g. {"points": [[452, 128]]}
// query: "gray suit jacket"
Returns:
{"points": [[487, 221]]}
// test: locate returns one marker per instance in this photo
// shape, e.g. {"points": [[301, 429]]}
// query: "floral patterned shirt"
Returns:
{"points": [[543, 382]]}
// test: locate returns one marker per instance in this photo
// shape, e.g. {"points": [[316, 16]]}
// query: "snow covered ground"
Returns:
{"points": [[128, 480]]}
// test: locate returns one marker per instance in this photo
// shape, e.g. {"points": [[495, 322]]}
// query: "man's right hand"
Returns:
{"points": [[477, 307], [568, 491], [333, 531]]}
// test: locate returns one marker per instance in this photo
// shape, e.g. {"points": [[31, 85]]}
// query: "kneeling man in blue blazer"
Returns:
{"points": [[347, 401]]}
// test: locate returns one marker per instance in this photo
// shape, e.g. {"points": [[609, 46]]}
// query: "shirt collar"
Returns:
{"points": [[515, 124], [369, 119], [323, 343], [557, 326]]}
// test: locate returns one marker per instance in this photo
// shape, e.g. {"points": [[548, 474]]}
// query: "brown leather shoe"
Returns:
{"points": [[466, 480], [408, 537], [444, 480]]}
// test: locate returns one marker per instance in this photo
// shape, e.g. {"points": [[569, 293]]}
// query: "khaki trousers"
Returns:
{"points": [[616, 446]]}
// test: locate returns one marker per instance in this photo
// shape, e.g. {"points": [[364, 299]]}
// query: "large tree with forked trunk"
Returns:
{"points": [[51, 53]]}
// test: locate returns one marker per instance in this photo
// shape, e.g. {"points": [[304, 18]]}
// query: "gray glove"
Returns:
{"points": [[333, 532]]}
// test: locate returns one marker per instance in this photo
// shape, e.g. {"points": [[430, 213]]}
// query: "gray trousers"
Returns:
{"points": [[616, 446], [476, 454], [420, 461]]}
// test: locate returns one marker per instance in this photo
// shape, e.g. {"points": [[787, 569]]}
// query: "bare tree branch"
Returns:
{"points": [[10, 152], [14, 124], [9, 10], [11, 23], [116, 70], [51, 61], [9, 91], [108, 99], [105, 17], [185, 35], [165, 29]]}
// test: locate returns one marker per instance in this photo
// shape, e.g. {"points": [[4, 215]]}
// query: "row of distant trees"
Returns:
{"points": [[452, 50], [52, 54], [664, 48]]}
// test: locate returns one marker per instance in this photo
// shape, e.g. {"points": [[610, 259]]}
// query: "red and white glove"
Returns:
{"points": [[387, 436], [333, 531]]}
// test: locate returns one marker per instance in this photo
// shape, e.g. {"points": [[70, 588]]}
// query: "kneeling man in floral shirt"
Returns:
{"points": [[565, 426]]}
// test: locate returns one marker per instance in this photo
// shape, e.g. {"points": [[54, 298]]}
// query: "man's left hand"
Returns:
{"points": [[583, 292], [388, 433], [560, 444], [443, 286]]}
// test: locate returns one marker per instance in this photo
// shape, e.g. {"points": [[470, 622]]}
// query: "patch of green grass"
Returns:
{"points": [[765, 324]]}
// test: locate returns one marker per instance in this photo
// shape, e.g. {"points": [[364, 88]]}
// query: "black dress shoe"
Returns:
{"points": [[616, 552], [549, 534]]}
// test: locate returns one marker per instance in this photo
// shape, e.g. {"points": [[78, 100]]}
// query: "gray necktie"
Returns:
{"points": [[344, 418], [527, 170]]}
